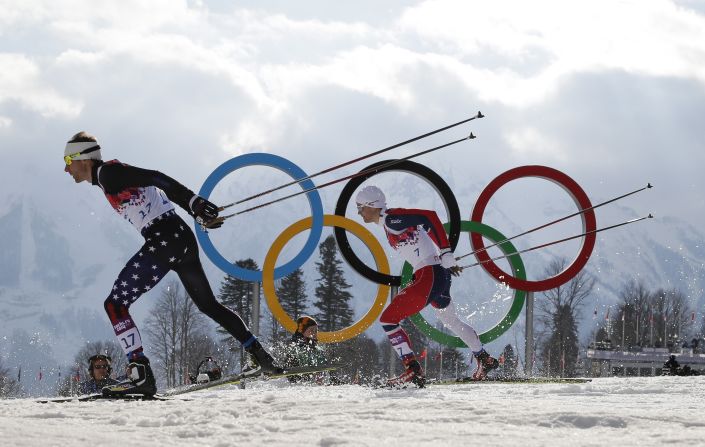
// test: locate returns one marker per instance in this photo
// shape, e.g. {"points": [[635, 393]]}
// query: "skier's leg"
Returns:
{"points": [[409, 301], [140, 274], [196, 283], [445, 310], [450, 319]]}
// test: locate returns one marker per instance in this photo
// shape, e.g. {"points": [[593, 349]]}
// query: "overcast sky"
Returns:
{"points": [[610, 92]]}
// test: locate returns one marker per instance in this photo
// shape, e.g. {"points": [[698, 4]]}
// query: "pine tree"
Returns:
{"points": [[292, 294], [331, 291], [236, 294], [291, 291]]}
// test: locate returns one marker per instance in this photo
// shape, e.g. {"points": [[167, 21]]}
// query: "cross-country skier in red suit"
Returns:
{"points": [[144, 198], [419, 238]]}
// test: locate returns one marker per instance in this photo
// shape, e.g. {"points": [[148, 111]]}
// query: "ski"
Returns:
{"points": [[234, 379], [237, 379], [95, 397], [509, 380]]}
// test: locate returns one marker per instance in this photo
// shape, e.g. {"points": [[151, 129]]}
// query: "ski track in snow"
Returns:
{"points": [[608, 411]]}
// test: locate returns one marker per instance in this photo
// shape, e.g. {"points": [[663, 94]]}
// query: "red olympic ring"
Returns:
{"points": [[579, 197]]}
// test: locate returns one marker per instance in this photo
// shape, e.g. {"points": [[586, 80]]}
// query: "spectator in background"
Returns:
{"points": [[99, 369], [304, 350]]}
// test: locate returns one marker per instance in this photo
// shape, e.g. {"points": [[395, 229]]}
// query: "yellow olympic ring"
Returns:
{"points": [[329, 220]]}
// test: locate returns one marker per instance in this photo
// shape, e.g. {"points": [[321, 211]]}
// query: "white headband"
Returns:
{"points": [[76, 147]]}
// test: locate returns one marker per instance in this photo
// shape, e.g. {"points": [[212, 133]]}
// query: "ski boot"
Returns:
{"points": [[413, 374], [140, 380], [485, 364], [259, 361]]}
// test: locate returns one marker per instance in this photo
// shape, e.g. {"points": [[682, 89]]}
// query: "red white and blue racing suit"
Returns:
{"points": [[144, 198], [418, 237]]}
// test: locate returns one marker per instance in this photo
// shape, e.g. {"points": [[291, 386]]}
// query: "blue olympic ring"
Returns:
{"points": [[314, 200]]}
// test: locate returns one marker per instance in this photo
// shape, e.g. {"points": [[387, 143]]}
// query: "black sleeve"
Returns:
{"points": [[116, 177]]}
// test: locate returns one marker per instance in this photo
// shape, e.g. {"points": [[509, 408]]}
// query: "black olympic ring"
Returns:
{"points": [[426, 173]]}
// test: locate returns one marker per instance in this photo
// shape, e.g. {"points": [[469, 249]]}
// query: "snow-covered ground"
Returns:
{"points": [[610, 411]]}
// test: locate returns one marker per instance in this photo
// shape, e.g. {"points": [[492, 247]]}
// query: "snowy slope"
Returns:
{"points": [[614, 411]]}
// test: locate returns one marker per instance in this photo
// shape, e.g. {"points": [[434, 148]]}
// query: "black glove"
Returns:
{"points": [[204, 209], [215, 223]]}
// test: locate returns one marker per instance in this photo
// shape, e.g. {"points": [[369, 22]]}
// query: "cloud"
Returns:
{"points": [[534, 44], [528, 142], [5, 122], [21, 81]]}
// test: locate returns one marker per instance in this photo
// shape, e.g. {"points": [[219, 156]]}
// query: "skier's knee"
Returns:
{"points": [[109, 306]]}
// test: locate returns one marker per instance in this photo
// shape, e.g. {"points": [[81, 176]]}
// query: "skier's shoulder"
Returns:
{"points": [[394, 216], [400, 217], [108, 172]]}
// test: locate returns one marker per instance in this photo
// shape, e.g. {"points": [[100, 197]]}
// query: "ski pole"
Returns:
{"points": [[332, 182], [364, 157], [648, 186], [649, 216]]}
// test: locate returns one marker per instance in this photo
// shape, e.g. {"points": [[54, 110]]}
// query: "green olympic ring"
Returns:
{"points": [[519, 295]]}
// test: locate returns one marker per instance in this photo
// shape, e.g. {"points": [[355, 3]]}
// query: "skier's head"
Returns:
{"points": [[307, 327], [100, 366], [370, 203], [80, 152]]}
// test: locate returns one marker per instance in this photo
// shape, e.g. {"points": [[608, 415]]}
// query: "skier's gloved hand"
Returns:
{"points": [[215, 223], [203, 209], [447, 259]]}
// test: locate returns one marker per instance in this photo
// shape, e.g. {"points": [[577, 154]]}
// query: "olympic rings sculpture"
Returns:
{"points": [[381, 276]]}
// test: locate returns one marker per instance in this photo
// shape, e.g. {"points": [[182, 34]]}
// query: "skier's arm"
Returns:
{"points": [[117, 177]]}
